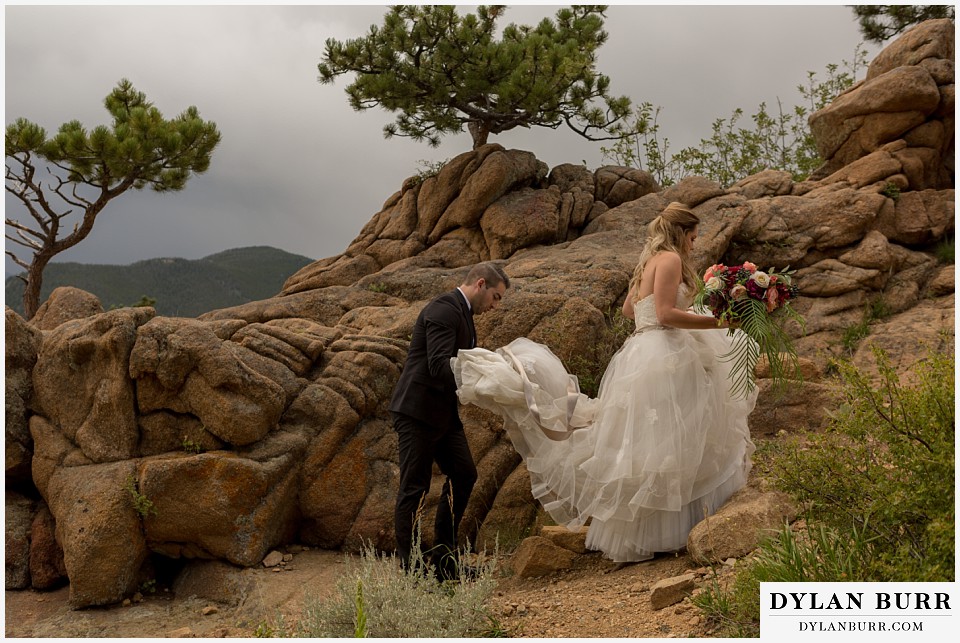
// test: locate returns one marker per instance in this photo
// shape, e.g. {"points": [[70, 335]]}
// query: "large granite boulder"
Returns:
{"points": [[908, 95], [22, 343], [64, 304]]}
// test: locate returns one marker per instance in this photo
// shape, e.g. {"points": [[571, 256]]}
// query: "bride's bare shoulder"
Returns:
{"points": [[667, 257]]}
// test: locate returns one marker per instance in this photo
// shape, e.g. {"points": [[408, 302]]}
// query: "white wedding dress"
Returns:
{"points": [[662, 446]]}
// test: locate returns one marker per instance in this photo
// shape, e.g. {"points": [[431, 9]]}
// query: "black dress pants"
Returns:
{"points": [[420, 445]]}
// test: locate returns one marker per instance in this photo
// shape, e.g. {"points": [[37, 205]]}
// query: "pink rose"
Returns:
{"points": [[773, 298], [752, 267], [712, 271]]}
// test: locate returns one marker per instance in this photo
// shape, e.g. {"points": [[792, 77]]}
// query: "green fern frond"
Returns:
{"points": [[762, 335]]}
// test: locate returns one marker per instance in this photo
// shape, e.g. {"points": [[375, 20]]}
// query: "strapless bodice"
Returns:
{"points": [[645, 310]]}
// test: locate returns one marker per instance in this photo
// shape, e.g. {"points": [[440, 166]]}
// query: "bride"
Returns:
{"points": [[663, 444]]}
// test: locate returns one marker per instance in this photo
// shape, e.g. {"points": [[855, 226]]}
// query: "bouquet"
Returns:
{"points": [[759, 302]]}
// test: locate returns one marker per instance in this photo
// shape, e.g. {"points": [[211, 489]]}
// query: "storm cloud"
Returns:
{"points": [[297, 168]]}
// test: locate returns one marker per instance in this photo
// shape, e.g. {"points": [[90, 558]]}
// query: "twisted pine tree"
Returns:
{"points": [[80, 172], [442, 71], [880, 22]]}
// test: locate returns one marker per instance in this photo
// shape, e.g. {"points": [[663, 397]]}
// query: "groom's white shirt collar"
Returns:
{"points": [[469, 307]]}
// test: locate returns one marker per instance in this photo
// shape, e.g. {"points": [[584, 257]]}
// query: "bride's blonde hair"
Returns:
{"points": [[666, 233]]}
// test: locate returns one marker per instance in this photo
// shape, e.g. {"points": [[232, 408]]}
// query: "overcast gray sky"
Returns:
{"points": [[297, 168]]}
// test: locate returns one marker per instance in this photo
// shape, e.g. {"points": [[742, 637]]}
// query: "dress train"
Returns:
{"points": [[662, 446]]}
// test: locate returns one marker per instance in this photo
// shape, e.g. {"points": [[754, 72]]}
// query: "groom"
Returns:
{"points": [[425, 414]]}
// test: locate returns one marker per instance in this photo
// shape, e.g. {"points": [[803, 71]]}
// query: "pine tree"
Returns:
{"points": [[77, 171], [880, 22], [442, 71]]}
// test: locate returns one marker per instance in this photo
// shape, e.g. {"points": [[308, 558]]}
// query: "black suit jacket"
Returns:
{"points": [[426, 390]]}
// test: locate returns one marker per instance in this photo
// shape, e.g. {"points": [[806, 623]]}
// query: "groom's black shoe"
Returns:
{"points": [[447, 568], [450, 567], [455, 569]]}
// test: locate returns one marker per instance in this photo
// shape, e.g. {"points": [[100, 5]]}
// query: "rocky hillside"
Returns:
{"points": [[136, 441]]}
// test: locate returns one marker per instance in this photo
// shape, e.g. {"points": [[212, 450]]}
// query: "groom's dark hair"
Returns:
{"points": [[490, 272]]}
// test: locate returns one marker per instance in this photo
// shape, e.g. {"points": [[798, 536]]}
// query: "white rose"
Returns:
{"points": [[714, 283], [762, 279]]}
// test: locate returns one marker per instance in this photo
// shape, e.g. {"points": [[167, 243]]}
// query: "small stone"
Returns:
{"points": [[277, 570], [287, 558], [730, 562], [138, 598], [273, 559], [181, 633], [671, 591], [127, 602], [208, 610], [508, 610]]}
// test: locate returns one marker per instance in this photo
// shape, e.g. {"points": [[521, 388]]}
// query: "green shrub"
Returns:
{"points": [[875, 310], [891, 190], [887, 468], [190, 446], [818, 554], [944, 251], [877, 491], [142, 504], [428, 169], [376, 598], [777, 137]]}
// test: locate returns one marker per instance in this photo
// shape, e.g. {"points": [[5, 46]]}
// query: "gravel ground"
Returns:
{"points": [[596, 598]]}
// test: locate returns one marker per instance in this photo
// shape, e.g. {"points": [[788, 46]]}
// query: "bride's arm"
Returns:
{"points": [[628, 303], [666, 281]]}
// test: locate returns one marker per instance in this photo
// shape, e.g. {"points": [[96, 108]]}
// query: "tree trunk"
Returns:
{"points": [[479, 131], [31, 290]]}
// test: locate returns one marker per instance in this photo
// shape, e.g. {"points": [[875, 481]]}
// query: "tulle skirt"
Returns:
{"points": [[662, 446]]}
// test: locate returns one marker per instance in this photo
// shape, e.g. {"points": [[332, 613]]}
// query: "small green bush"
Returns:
{"points": [[877, 490], [876, 310], [428, 169], [891, 190], [142, 504], [819, 554], [944, 251], [377, 598], [886, 468]]}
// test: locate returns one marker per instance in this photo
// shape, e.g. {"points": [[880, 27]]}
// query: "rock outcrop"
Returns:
{"points": [[225, 436], [898, 121]]}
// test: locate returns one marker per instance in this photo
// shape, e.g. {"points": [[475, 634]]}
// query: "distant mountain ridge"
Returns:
{"points": [[181, 287]]}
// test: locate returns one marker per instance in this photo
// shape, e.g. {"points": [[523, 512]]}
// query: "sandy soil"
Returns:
{"points": [[596, 598]]}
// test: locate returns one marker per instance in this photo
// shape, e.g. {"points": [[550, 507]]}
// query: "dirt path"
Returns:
{"points": [[594, 599]]}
